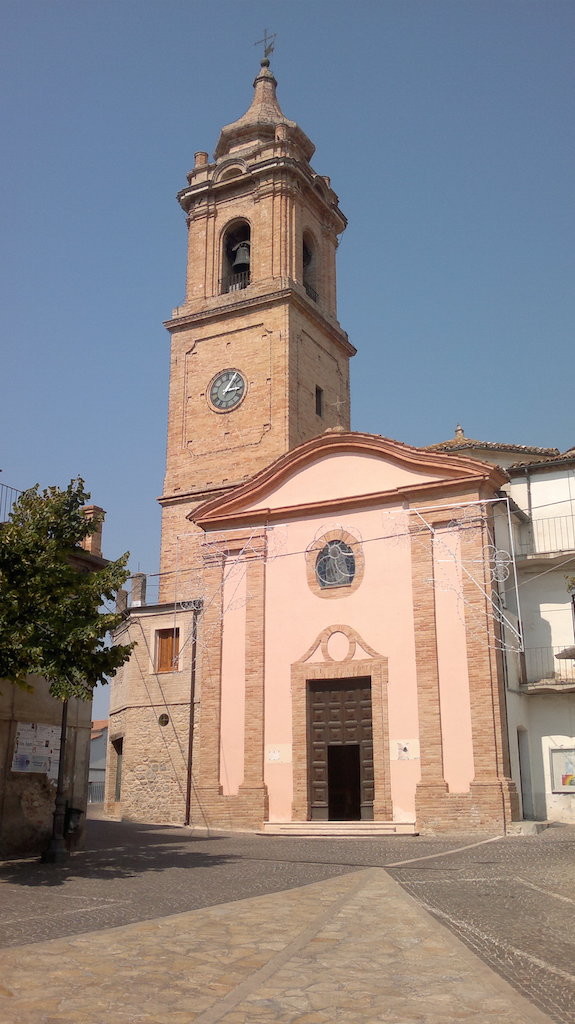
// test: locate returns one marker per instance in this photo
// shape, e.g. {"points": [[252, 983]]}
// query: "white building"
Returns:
{"points": [[539, 613]]}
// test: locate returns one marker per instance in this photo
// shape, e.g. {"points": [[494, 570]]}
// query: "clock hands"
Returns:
{"points": [[229, 385]]}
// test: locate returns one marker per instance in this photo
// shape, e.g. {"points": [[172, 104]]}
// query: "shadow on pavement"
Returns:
{"points": [[118, 850]]}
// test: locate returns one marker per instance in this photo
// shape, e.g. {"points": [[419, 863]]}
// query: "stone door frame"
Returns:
{"points": [[373, 667]]}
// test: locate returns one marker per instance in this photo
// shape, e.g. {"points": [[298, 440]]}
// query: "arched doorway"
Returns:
{"points": [[340, 731]]}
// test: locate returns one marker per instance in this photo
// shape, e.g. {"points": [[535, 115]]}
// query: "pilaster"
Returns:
{"points": [[253, 791], [206, 762], [492, 789], [432, 787]]}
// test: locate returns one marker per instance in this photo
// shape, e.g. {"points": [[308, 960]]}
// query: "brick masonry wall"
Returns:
{"points": [[283, 355], [284, 343]]}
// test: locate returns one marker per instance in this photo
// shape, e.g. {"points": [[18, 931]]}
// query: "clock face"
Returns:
{"points": [[227, 390]]}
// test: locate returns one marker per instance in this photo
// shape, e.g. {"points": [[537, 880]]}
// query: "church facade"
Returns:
{"points": [[325, 647]]}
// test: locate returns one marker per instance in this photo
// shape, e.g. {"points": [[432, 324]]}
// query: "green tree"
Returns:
{"points": [[51, 595]]}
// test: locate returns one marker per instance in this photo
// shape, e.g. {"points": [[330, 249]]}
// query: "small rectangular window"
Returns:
{"points": [[167, 650], [319, 401]]}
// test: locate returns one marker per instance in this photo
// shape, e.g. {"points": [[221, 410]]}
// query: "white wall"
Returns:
{"points": [[539, 723]]}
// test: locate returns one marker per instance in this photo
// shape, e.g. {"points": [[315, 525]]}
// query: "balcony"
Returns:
{"points": [[543, 672], [8, 495], [546, 536]]}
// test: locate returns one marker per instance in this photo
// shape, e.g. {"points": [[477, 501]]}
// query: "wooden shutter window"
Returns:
{"points": [[167, 650]]}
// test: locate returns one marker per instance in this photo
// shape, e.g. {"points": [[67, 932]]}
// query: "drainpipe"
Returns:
{"points": [[529, 504]]}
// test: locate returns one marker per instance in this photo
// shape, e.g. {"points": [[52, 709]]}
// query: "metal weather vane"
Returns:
{"points": [[268, 42]]}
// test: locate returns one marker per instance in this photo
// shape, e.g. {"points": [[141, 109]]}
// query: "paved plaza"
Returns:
{"points": [[158, 925]]}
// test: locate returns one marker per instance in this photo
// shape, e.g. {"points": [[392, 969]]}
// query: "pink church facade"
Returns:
{"points": [[349, 665]]}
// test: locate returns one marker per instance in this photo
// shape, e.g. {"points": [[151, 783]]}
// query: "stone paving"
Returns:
{"points": [[512, 902], [156, 924], [354, 948]]}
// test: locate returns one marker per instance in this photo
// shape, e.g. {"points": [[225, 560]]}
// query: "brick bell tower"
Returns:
{"points": [[259, 362]]}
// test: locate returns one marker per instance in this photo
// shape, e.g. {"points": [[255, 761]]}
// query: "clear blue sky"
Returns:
{"points": [[446, 127]]}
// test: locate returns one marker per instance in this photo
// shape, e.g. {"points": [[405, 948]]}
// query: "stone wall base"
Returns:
{"points": [[489, 806]]}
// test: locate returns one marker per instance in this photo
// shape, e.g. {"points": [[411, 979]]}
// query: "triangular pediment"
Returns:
{"points": [[340, 469]]}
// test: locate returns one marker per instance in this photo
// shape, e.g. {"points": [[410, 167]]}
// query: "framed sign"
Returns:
{"points": [[563, 769]]}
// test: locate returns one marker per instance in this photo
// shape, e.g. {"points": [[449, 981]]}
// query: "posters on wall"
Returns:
{"points": [[563, 769], [37, 749]]}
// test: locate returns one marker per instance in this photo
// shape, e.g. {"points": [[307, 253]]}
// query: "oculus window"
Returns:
{"points": [[335, 565]]}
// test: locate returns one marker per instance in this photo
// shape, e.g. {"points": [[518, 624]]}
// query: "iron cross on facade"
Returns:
{"points": [[267, 42]]}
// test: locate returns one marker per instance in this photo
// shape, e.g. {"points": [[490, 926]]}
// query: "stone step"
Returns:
{"points": [[335, 829]]}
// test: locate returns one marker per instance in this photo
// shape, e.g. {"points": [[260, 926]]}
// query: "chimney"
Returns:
{"points": [[138, 589], [93, 543]]}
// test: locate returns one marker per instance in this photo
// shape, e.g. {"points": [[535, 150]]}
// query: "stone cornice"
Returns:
{"points": [[199, 497], [291, 292], [273, 167], [397, 495], [456, 473]]}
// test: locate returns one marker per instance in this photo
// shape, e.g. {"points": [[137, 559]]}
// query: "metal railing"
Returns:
{"points": [[541, 664], [8, 496], [543, 536], [235, 282], [96, 792], [311, 291]]}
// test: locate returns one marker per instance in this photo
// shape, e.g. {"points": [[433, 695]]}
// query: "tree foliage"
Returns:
{"points": [[51, 595]]}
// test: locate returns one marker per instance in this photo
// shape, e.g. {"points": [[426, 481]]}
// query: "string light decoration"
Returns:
{"points": [[334, 551]]}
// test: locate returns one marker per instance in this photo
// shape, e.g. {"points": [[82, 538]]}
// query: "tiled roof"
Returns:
{"points": [[553, 460], [460, 444]]}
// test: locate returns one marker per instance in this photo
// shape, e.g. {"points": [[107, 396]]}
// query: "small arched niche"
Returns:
{"points": [[231, 172], [236, 256], [310, 268]]}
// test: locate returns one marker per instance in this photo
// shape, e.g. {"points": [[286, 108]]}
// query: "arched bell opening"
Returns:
{"points": [[236, 253], [309, 260]]}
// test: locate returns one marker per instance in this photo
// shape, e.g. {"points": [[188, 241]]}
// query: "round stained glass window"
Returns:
{"points": [[335, 565]]}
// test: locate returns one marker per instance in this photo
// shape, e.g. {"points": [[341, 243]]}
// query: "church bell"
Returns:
{"points": [[241, 262]]}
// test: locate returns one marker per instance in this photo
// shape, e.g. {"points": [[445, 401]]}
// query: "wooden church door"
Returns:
{"points": [[340, 750]]}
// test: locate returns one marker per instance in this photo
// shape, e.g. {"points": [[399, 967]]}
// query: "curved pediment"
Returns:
{"points": [[339, 468]]}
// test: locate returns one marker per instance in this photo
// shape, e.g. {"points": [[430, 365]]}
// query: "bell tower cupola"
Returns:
{"points": [[259, 362]]}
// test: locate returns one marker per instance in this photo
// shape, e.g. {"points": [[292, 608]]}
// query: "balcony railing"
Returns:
{"points": [[96, 791], [235, 282], [544, 536], [311, 291], [8, 495], [542, 665]]}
